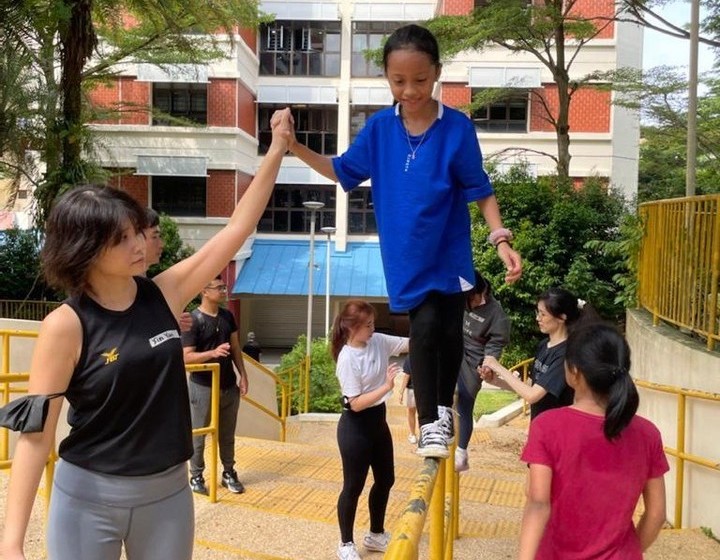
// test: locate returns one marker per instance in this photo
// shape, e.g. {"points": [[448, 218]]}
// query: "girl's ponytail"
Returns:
{"points": [[602, 356]]}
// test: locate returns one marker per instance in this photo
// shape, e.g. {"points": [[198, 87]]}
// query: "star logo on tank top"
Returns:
{"points": [[110, 356]]}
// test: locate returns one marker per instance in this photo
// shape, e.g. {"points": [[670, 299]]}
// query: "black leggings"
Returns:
{"points": [[365, 442], [436, 351]]}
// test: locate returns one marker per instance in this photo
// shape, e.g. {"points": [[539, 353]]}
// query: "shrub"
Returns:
{"points": [[324, 386]]}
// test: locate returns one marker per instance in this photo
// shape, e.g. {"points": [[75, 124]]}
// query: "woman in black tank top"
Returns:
{"points": [[114, 350]]}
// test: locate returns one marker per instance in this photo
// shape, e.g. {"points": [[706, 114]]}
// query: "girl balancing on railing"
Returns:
{"points": [[558, 313], [424, 162], [366, 381], [114, 350], [590, 462]]}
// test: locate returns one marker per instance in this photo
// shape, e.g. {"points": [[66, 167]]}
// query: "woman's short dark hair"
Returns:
{"points": [[82, 223]]}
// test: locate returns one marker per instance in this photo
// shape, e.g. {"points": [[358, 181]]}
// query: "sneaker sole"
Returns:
{"points": [[231, 490], [433, 451], [375, 548]]}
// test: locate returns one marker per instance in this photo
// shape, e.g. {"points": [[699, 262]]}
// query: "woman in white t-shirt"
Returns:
{"points": [[366, 381]]}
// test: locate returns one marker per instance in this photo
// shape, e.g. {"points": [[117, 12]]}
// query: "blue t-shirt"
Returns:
{"points": [[421, 204]]}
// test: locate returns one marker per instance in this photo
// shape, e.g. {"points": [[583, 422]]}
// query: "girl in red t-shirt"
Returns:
{"points": [[591, 462]]}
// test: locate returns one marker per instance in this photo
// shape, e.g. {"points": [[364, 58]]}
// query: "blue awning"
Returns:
{"points": [[279, 267]]}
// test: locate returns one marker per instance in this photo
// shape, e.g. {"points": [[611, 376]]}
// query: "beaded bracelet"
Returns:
{"points": [[500, 234]]}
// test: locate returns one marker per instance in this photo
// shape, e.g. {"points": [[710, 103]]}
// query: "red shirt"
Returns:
{"points": [[596, 483]]}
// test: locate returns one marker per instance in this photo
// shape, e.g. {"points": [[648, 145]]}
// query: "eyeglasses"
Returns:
{"points": [[221, 288]]}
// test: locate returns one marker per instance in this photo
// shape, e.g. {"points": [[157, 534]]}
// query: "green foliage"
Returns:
{"points": [[490, 401], [174, 250], [21, 278], [554, 227], [324, 387]]}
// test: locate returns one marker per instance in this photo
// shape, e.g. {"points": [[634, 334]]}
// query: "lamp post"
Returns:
{"points": [[313, 206], [328, 230]]}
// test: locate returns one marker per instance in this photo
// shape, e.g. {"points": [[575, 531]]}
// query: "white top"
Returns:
{"points": [[362, 370]]}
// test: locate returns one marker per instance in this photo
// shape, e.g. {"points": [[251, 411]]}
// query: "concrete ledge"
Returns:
{"points": [[500, 417], [315, 417]]}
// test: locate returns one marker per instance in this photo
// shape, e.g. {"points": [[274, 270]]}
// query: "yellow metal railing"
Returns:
{"points": [[295, 382], [679, 452], [435, 492], [679, 264], [524, 369]]}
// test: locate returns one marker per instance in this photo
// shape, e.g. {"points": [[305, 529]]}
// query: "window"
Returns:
{"points": [[361, 214], [509, 115], [297, 48], [315, 126], [359, 114], [285, 212], [176, 101], [369, 35], [179, 196]]}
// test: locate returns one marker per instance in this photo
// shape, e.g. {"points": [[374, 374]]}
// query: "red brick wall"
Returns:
{"points": [[455, 94], [589, 110], [246, 110], [457, 7], [135, 99], [249, 36], [221, 102], [135, 185], [220, 194], [106, 96], [601, 9]]}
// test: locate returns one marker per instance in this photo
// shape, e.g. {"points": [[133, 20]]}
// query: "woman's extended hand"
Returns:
{"points": [[512, 261], [392, 372], [282, 121]]}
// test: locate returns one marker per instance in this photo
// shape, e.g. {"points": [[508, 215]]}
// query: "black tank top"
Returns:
{"points": [[129, 406]]}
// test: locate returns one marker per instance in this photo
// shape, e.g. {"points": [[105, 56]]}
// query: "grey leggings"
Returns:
{"points": [[92, 515]]}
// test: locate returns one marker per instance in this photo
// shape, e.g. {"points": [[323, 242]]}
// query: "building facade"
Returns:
{"points": [[189, 138]]}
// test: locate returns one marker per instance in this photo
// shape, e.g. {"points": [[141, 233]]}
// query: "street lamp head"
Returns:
{"points": [[313, 204], [328, 230]]}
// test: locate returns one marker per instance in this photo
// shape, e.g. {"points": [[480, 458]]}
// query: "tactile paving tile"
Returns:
{"points": [[507, 493], [485, 530]]}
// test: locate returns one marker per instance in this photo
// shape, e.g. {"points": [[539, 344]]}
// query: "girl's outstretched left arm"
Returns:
{"points": [[654, 517], [511, 258], [537, 510]]}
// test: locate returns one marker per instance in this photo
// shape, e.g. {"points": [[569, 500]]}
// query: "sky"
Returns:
{"points": [[660, 49]]}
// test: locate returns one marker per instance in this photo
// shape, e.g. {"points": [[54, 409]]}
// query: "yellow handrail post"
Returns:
{"points": [[437, 514], [680, 465], [714, 279], [214, 427], [456, 508], [450, 501], [5, 438], [406, 536]]}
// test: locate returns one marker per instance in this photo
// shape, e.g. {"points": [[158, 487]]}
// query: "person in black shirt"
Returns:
{"points": [[252, 347], [113, 349], [213, 337], [558, 312]]}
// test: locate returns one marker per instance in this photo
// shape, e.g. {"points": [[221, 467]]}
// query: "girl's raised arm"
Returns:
{"points": [[183, 281]]}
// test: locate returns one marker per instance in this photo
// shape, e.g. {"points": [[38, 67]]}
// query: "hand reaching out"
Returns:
{"points": [[283, 126], [222, 350]]}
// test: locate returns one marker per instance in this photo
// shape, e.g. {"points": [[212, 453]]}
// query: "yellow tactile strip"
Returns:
{"points": [[303, 482]]}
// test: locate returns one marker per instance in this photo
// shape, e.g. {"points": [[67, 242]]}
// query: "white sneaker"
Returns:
{"points": [[412, 438], [377, 541], [432, 441], [347, 551], [461, 460]]}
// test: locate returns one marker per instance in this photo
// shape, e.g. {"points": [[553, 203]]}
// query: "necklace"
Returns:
{"points": [[413, 151]]}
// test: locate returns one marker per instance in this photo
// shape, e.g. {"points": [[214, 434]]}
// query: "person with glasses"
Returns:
{"points": [[213, 337]]}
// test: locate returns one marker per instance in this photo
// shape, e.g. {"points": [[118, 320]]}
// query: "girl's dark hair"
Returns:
{"points": [[481, 287], [602, 356], [83, 222], [354, 313], [412, 37], [559, 302]]}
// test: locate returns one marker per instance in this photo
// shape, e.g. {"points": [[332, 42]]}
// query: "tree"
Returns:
{"points": [[21, 278], [553, 31], [89, 38], [557, 229]]}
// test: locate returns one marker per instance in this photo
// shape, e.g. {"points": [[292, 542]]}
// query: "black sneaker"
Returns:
{"points": [[432, 441], [197, 485], [446, 420], [231, 482]]}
